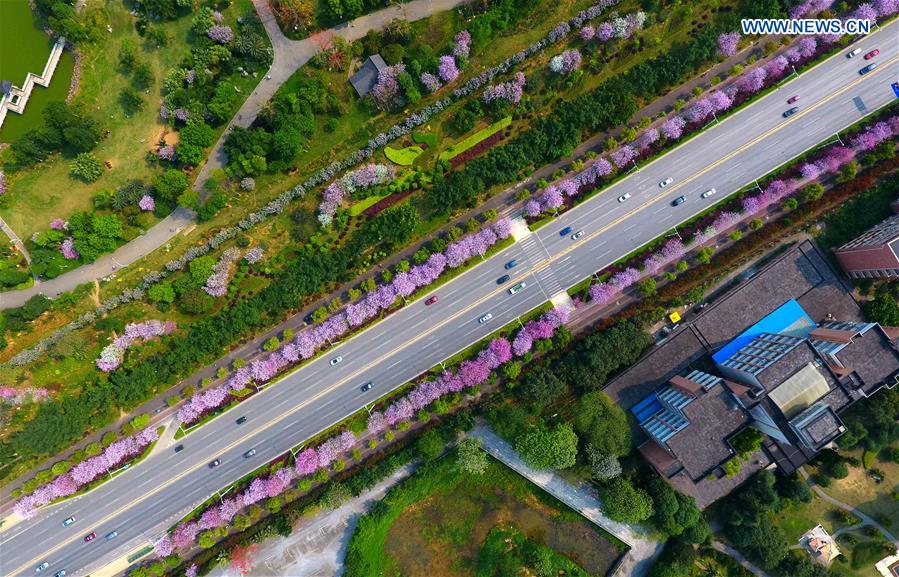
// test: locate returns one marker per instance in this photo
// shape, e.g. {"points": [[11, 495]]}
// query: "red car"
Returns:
{"points": [[431, 300], [793, 99], [872, 54], [90, 537]]}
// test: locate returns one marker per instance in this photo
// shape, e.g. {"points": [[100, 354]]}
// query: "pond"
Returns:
{"points": [[24, 48]]}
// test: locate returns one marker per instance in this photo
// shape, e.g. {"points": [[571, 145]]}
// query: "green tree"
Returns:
{"points": [[430, 445], [161, 293], [602, 424], [812, 192], [170, 184], [201, 269], [883, 309], [542, 385], [471, 458], [87, 167], [624, 502], [549, 449]]}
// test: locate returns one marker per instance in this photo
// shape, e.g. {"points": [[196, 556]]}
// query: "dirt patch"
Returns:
{"points": [[443, 534]]}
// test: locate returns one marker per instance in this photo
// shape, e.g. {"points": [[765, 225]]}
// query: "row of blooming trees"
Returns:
{"points": [[471, 373], [365, 176], [13, 396], [86, 471], [112, 355], [829, 161], [354, 315]]}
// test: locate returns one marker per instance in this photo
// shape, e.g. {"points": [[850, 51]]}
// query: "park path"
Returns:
{"points": [[865, 519], [290, 55], [738, 557], [643, 550]]}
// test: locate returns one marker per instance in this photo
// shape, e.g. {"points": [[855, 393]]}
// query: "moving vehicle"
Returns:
{"points": [[624, 197], [336, 360], [708, 193], [565, 231], [679, 200], [90, 537], [793, 99], [68, 521], [666, 182], [791, 112], [366, 387], [431, 300], [41, 567], [179, 448], [249, 453], [577, 235], [517, 288], [60, 573], [212, 465], [112, 535], [872, 54], [485, 318], [511, 264], [867, 69], [241, 420], [503, 279], [854, 53]]}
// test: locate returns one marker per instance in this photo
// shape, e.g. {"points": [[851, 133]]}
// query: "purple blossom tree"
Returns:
{"points": [[720, 101], [306, 462], [221, 34], [754, 80], [886, 7], [701, 110], [147, 203], [647, 138], [447, 69], [806, 47], [462, 44], [623, 155], [67, 248], [673, 128], [866, 11], [552, 197], [566, 62], [430, 82], [533, 208], [777, 66], [727, 43], [587, 33], [605, 31]]}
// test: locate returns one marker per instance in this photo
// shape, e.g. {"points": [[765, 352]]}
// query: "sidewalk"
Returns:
{"points": [[738, 557], [643, 551], [503, 202]]}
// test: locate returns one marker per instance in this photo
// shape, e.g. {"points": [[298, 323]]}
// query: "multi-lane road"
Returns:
{"points": [[141, 503]]}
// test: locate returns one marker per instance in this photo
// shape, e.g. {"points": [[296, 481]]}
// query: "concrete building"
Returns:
{"points": [[784, 352]]}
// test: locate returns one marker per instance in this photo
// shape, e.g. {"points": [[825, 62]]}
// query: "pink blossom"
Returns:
{"points": [[673, 128], [447, 69], [727, 43], [147, 203], [191, 570], [533, 208], [67, 248], [306, 462], [647, 138], [777, 66], [754, 80], [587, 33], [59, 224], [700, 110], [376, 423], [602, 293], [623, 155], [720, 100]]}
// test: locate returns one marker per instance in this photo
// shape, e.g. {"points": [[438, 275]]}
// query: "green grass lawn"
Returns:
{"points": [[403, 156], [869, 497]]}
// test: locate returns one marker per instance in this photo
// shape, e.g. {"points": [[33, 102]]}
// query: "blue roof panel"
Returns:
{"points": [[789, 318]]}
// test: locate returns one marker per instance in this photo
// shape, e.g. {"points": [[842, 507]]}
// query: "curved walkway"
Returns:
{"points": [[738, 557]]}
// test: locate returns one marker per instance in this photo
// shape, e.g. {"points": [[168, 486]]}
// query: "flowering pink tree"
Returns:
{"points": [[67, 248], [701, 110], [753, 81], [306, 462], [720, 101], [777, 66], [566, 62], [727, 43], [447, 69], [112, 355], [673, 128], [623, 155], [647, 138], [147, 203], [462, 44]]}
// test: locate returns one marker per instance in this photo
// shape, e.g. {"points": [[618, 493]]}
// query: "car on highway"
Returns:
{"points": [[708, 193], [366, 387], [41, 567], [241, 420], [60, 573], [867, 69], [791, 112], [624, 197], [68, 521], [854, 53], [793, 99], [872, 54], [565, 231], [577, 235], [249, 453], [90, 537], [179, 448], [517, 288], [503, 279], [511, 264], [113, 534], [666, 182], [212, 465], [336, 360], [431, 300], [485, 318], [679, 200]]}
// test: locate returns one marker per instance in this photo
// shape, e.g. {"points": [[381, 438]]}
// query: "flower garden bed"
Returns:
{"points": [[475, 139]]}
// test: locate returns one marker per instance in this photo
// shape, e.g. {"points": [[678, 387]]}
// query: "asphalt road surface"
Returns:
{"points": [[141, 503]]}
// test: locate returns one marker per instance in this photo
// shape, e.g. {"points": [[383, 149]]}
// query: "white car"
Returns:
{"points": [[708, 193], [666, 182], [577, 235], [485, 318], [41, 567], [854, 53], [624, 197], [336, 360]]}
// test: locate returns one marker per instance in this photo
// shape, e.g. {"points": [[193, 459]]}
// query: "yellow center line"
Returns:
{"points": [[468, 308]]}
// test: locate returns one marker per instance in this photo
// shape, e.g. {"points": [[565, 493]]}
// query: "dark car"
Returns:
{"points": [[503, 279], [179, 448], [679, 200], [867, 69], [431, 300], [90, 537], [308, 319], [366, 387], [872, 54], [565, 231], [791, 112], [249, 453], [511, 264], [215, 464], [241, 420]]}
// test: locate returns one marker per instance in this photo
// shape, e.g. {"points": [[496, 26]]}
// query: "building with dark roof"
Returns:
{"points": [[367, 76], [873, 254], [788, 373]]}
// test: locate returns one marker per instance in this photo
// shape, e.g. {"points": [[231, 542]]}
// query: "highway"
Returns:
{"points": [[141, 503]]}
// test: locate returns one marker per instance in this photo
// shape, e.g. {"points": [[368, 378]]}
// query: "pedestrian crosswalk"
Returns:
{"points": [[537, 254]]}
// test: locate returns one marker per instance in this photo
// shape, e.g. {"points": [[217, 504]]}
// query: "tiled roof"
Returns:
{"points": [[367, 76]]}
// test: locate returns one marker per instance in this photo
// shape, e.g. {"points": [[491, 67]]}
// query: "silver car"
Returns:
{"points": [[666, 182], [336, 360], [249, 453], [485, 318]]}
